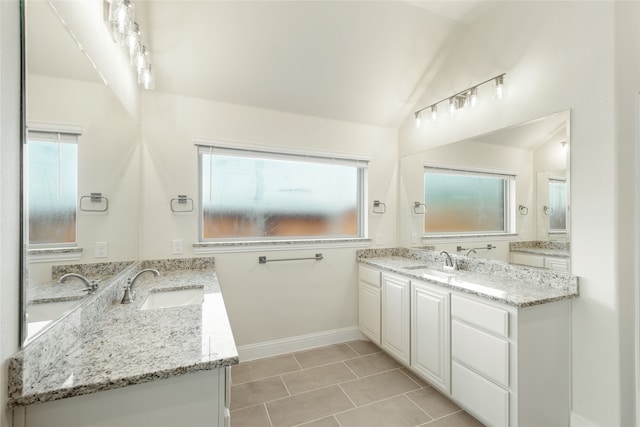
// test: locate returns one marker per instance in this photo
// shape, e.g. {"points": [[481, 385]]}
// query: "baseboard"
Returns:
{"points": [[298, 343], [578, 421]]}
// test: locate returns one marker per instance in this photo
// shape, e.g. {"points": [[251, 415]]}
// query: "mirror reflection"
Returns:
{"points": [[81, 173], [506, 195]]}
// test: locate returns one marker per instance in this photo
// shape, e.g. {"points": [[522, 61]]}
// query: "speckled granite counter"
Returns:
{"points": [[513, 285], [124, 345]]}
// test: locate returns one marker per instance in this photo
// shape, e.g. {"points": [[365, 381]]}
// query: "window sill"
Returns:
{"points": [[54, 254], [469, 237], [279, 245]]}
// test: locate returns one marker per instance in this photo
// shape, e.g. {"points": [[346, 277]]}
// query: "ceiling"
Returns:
{"points": [[357, 61]]}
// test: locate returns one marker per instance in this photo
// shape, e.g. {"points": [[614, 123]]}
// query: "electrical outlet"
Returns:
{"points": [[102, 250], [414, 238], [378, 239], [177, 247]]}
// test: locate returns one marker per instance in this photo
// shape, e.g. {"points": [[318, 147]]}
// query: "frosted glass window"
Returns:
{"points": [[52, 188], [263, 196], [558, 205], [461, 202]]}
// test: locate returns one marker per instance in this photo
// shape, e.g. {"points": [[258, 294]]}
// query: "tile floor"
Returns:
{"points": [[353, 384]]}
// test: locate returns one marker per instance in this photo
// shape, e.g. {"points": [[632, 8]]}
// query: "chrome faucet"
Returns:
{"points": [[129, 291], [448, 262], [91, 285]]}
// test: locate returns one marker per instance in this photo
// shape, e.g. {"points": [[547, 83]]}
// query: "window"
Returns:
{"points": [[558, 205], [52, 162], [462, 202], [251, 195]]}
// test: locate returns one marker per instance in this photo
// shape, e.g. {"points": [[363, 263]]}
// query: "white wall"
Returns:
{"points": [[273, 301], [108, 160], [10, 200], [557, 56]]}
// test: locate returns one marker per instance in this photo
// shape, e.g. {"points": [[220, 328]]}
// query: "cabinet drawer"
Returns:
{"points": [[487, 317], [481, 351], [480, 396], [369, 275]]}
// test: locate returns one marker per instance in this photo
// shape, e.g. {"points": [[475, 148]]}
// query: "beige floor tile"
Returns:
{"points": [[308, 406], [363, 347], [395, 412], [325, 355], [378, 387], [459, 419], [254, 416], [318, 377], [414, 377], [263, 368], [372, 364], [325, 422], [433, 402], [256, 392]]}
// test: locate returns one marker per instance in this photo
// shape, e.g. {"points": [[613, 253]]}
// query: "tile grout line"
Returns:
{"points": [[417, 383], [285, 386], [348, 397], [268, 414], [418, 406], [444, 416]]}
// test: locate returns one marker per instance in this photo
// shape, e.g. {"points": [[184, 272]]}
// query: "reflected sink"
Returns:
{"points": [[49, 310], [173, 298]]}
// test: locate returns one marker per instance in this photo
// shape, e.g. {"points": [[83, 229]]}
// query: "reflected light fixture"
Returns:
{"points": [[120, 20], [463, 99]]}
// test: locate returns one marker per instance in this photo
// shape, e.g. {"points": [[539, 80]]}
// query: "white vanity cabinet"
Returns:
{"points": [[511, 366], [196, 399], [430, 334], [369, 303], [506, 365], [396, 338]]}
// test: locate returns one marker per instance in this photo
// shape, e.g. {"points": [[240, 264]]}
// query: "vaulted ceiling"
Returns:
{"points": [[358, 61]]}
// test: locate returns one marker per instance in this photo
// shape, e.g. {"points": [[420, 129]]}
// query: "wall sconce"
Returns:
{"points": [[120, 20], [463, 99]]}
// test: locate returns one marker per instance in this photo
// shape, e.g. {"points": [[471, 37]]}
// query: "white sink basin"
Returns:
{"points": [[173, 298]]}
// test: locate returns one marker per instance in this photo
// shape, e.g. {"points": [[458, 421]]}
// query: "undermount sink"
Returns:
{"points": [[173, 298], [415, 267]]}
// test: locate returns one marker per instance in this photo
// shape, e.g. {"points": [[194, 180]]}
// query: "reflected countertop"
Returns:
{"points": [[126, 345]]}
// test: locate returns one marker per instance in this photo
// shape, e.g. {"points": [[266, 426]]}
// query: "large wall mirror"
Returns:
{"points": [[81, 170], [506, 195]]}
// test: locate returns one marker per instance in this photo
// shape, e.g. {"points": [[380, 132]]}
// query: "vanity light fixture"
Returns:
{"points": [[120, 20], [463, 99]]}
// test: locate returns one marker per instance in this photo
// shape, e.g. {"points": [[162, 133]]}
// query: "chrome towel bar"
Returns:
{"points": [[264, 260]]}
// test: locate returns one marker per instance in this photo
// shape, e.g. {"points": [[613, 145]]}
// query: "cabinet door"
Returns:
{"points": [[557, 264], [369, 311], [430, 334], [395, 317]]}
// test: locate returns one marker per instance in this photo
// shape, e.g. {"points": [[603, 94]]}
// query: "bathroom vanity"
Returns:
{"points": [[162, 360], [496, 340]]}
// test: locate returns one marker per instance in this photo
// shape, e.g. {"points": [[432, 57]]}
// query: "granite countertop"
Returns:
{"points": [[521, 289], [126, 345], [560, 253]]}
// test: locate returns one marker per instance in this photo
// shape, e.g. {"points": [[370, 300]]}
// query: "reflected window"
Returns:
{"points": [[557, 205], [462, 202], [52, 162], [249, 195]]}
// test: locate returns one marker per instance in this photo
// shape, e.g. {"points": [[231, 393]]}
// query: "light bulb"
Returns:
{"points": [[499, 86], [473, 96], [142, 59], [147, 78], [434, 113], [418, 120], [452, 105]]}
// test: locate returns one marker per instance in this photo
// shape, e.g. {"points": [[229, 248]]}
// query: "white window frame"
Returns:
{"points": [[273, 153], [509, 200], [67, 133]]}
